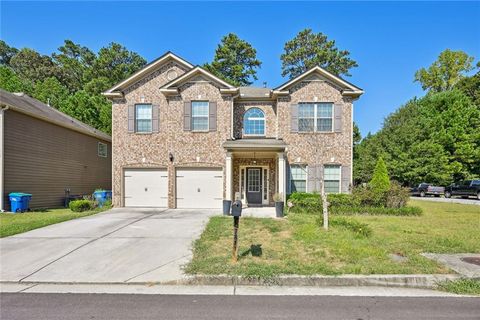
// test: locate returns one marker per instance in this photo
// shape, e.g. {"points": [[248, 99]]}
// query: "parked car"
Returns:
{"points": [[426, 189], [464, 189]]}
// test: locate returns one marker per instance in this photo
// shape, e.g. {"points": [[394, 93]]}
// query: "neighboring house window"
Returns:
{"points": [[315, 117], [254, 122], [298, 178], [102, 150], [143, 118], [200, 115], [331, 178]]}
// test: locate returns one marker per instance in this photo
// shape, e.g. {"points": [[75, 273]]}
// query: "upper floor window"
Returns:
{"points": [[143, 118], [331, 177], [315, 117], [200, 115], [254, 122]]}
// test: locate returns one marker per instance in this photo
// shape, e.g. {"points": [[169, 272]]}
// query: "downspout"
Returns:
{"points": [[351, 145], [2, 196]]}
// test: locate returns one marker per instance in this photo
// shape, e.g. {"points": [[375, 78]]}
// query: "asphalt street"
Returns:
{"points": [[23, 306]]}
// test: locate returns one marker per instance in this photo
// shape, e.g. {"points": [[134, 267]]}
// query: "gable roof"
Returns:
{"points": [[349, 88], [172, 85], [22, 103], [149, 68]]}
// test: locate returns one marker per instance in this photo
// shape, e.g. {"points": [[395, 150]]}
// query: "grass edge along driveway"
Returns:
{"points": [[15, 223], [298, 245]]}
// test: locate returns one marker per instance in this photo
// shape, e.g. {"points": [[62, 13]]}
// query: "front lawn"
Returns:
{"points": [[298, 244], [13, 223]]}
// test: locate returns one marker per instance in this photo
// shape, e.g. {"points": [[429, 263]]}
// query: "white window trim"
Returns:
{"points": [[315, 117], [264, 124], [106, 149], [243, 195], [136, 118], [192, 116], [290, 176], [339, 176]]}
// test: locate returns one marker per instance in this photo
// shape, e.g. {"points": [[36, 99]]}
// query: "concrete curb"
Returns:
{"points": [[422, 281], [388, 280]]}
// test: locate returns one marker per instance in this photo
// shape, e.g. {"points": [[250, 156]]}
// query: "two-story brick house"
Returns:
{"points": [[183, 138]]}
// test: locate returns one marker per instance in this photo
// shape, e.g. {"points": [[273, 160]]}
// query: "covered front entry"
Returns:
{"points": [[255, 170]]}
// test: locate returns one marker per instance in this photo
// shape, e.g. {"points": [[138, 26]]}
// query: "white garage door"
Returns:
{"points": [[146, 188], [199, 188]]}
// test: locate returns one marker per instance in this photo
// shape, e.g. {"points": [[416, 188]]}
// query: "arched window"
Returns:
{"points": [[254, 122]]}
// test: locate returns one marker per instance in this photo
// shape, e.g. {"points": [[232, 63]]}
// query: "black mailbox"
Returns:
{"points": [[237, 208]]}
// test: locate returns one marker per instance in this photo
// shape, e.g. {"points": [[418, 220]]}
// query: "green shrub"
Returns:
{"points": [[380, 181], [376, 211], [342, 199], [359, 228], [365, 196], [304, 202], [81, 205]]}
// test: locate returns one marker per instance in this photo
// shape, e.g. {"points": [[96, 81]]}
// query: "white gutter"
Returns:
{"points": [[2, 196]]}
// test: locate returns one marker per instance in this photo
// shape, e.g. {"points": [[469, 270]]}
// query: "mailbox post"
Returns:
{"points": [[236, 213]]}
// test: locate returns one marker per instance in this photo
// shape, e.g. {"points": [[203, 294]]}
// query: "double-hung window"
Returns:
{"points": [[298, 178], [143, 118], [200, 115], [315, 117], [102, 150], [331, 178]]}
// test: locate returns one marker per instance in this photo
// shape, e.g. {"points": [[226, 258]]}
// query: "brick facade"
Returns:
{"points": [[205, 149]]}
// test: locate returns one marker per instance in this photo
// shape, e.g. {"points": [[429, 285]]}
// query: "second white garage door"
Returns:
{"points": [[199, 188], [146, 188]]}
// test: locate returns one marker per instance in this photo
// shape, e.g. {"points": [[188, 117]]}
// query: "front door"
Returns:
{"points": [[254, 185]]}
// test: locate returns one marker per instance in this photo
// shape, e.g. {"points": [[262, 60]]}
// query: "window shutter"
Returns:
{"points": [[187, 116], [131, 118], [338, 117], [155, 117], [311, 178], [294, 118], [212, 116], [345, 183]]}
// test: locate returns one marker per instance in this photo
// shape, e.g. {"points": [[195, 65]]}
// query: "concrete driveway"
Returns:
{"points": [[120, 245]]}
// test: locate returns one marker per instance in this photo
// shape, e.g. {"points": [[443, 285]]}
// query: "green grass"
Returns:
{"points": [[462, 286], [14, 223], [298, 244]]}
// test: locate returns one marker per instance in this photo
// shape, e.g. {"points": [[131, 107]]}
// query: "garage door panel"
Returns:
{"points": [[146, 188], [199, 188]]}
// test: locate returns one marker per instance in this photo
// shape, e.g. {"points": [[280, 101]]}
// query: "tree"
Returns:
{"points": [[357, 137], [471, 87], [309, 49], [9, 81], [74, 61], [445, 72], [51, 92], [380, 182], [235, 61], [32, 66], [6, 53], [115, 63]]}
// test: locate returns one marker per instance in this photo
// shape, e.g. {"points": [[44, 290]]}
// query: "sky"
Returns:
{"points": [[389, 40]]}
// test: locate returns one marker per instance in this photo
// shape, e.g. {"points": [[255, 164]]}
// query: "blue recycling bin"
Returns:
{"points": [[19, 201], [101, 196]]}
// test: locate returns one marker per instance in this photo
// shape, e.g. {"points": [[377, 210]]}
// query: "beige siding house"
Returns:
{"points": [[45, 152], [183, 138]]}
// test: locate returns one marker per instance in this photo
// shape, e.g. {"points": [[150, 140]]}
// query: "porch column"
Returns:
{"points": [[228, 176], [281, 174]]}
